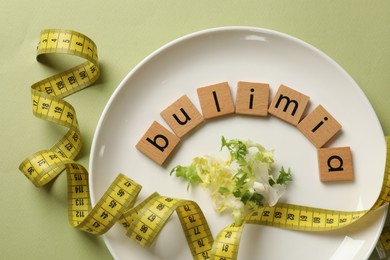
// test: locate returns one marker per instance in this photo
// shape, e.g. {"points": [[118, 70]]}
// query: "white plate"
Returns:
{"points": [[249, 54]]}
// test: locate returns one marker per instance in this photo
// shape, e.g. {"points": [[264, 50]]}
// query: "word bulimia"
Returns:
{"points": [[252, 98]]}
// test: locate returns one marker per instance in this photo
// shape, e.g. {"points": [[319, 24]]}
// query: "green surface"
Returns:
{"points": [[356, 34]]}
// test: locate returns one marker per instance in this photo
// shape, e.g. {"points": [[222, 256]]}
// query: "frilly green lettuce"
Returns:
{"points": [[243, 182]]}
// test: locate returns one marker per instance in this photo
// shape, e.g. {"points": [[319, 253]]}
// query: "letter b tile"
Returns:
{"points": [[157, 143], [335, 164]]}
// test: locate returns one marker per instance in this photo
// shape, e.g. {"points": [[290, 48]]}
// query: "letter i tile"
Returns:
{"points": [[319, 126], [252, 98]]}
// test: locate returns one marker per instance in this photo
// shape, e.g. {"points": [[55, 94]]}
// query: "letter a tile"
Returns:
{"points": [[319, 126], [158, 143], [182, 116], [288, 105], [216, 100], [252, 98], [335, 164]]}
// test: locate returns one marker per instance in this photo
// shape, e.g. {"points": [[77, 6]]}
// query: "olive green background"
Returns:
{"points": [[355, 33]]}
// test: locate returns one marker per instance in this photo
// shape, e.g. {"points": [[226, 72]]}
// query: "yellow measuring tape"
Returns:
{"points": [[144, 221]]}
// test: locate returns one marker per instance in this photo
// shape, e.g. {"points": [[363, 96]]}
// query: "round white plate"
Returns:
{"points": [[256, 55]]}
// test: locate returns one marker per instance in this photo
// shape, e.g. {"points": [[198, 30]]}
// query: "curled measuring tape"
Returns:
{"points": [[144, 221], [43, 166]]}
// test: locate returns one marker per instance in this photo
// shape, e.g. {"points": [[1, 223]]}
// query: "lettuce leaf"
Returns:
{"points": [[241, 183]]}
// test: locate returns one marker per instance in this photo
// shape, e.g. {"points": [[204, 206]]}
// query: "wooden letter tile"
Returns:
{"points": [[182, 116], [288, 105], [335, 164], [157, 143], [216, 100], [319, 126], [252, 98]]}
